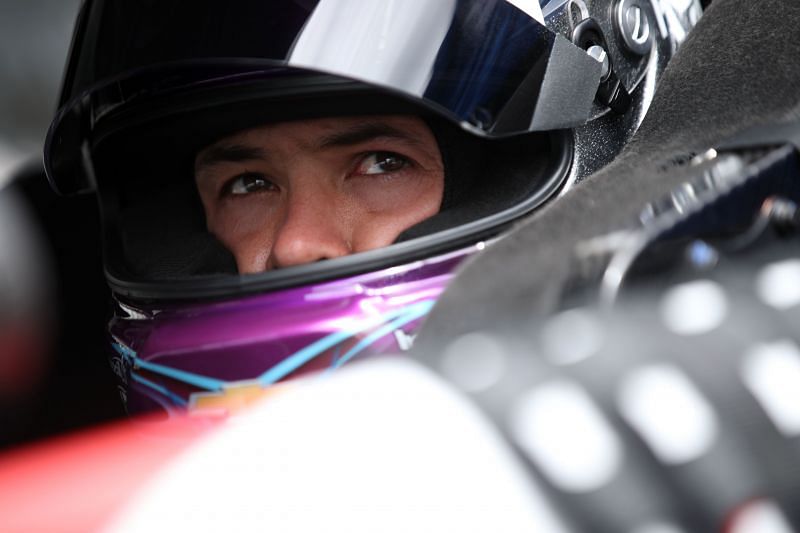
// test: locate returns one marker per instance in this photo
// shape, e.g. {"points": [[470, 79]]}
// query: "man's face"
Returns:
{"points": [[295, 192]]}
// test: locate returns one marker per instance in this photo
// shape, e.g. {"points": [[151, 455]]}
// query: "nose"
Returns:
{"points": [[313, 229]]}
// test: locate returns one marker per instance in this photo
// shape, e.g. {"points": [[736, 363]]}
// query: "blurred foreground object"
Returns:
{"points": [[26, 318]]}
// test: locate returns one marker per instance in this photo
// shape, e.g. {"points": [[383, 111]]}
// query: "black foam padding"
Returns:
{"points": [[484, 176], [183, 247], [738, 69]]}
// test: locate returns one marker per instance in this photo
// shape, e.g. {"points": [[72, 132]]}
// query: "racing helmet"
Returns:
{"points": [[524, 98]]}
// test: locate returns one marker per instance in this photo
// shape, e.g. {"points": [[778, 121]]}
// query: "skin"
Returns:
{"points": [[292, 193]]}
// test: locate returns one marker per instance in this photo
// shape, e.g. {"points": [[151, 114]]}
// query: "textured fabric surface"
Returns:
{"points": [[738, 69]]}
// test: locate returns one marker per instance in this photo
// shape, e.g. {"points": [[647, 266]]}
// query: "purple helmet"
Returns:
{"points": [[524, 98]]}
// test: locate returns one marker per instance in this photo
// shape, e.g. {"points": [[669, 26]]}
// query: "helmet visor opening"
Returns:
{"points": [[156, 228]]}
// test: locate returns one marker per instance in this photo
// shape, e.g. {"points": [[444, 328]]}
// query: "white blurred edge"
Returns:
{"points": [[383, 446]]}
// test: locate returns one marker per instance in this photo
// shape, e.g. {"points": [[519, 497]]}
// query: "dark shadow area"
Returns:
{"points": [[79, 388]]}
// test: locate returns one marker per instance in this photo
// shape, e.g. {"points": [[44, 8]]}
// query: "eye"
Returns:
{"points": [[247, 183], [382, 163]]}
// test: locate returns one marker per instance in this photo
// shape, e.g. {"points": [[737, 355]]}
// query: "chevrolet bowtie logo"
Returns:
{"points": [[233, 398]]}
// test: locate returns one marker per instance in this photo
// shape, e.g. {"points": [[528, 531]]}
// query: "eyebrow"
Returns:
{"points": [[228, 153], [364, 132], [357, 134]]}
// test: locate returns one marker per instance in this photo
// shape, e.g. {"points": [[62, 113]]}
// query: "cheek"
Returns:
{"points": [[386, 210], [380, 194], [247, 229]]}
